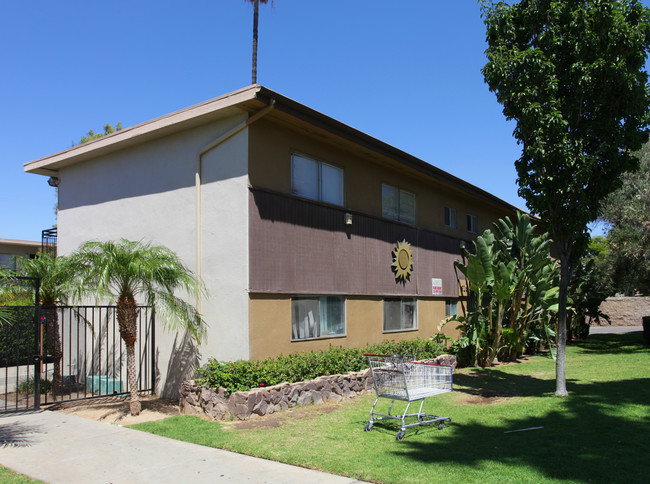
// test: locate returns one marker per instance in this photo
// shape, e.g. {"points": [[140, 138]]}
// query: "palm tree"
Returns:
{"points": [[256, 14], [56, 275], [126, 271], [6, 280]]}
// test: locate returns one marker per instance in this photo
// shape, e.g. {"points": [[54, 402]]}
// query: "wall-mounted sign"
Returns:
{"points": [[402, 261], [436, 287]]}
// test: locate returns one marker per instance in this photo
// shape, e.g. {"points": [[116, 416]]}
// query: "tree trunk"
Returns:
{"points": [[131, 372], [53, 344], [127, 317], [560, 362], [256, 12]]}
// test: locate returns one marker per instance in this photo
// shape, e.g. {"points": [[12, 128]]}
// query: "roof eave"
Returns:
{"points": [[164, 125]]}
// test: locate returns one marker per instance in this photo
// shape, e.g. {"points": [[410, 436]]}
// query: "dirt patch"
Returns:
{"points": [[483, 397], [116, 409], [281, 418]]}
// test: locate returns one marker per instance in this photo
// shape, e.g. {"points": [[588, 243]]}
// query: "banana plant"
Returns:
{"points": [[513, 282]]}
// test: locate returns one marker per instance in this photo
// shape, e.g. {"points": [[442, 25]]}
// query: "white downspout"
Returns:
{"points": [[213, 144]]}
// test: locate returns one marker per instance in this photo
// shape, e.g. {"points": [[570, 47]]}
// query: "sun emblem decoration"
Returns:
{"points": [[402, 261]]}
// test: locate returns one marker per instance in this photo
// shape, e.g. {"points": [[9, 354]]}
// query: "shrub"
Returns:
{"points": [[242, 375], [18, 337], [27, 386]]}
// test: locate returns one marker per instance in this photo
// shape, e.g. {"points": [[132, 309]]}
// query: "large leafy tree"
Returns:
{"points": [[571, 74], [127, 271], [627, 212]]}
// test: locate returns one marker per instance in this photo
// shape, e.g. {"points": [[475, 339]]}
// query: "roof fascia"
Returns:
{"points": [[162, 126]]}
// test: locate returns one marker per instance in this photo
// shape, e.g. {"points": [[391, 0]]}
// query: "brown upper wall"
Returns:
{"points": [[271, 145], [303, 247]]}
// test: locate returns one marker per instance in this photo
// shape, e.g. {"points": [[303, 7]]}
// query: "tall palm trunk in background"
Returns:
{"points": [[127, 317], [256, 14]]}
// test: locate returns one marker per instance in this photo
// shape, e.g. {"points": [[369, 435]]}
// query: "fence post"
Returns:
{"points": [[38, 360], [153, 350]]}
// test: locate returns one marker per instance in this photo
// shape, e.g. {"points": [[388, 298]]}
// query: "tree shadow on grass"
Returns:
{"points": [[626, 343], [493, 382], [600, 433]]}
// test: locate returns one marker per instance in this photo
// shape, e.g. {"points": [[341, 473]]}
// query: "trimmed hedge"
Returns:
{"points": [[243, 375], [18, 337]]}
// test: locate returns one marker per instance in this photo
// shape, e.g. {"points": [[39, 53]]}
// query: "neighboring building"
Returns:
{"points": [[11, 250], [307, 232]]}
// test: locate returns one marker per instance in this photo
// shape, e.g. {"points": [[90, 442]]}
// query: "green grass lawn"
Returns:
{"points": [[7, 476], [600, 433]]}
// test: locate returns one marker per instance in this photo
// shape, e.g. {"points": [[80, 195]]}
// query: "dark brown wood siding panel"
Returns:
{"points": [[301, 247]]}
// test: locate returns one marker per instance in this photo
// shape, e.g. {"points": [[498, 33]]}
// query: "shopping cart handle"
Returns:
{"points": [[385, 356]]}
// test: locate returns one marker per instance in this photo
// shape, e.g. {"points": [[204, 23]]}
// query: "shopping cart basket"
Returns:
{"points": [[399, 377]]}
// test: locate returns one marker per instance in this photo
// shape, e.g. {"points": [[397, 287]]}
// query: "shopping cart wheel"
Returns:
{"points": [[368, 427], [400, 435], [441, 425]]}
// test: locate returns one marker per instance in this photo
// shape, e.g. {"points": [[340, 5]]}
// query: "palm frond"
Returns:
{"points": [[152, 274]]}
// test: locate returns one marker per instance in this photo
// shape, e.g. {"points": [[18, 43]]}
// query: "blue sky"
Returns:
{"points": [[407, 73]]}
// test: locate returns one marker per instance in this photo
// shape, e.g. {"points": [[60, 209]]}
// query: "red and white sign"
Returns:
{"points": [[436, 287]]}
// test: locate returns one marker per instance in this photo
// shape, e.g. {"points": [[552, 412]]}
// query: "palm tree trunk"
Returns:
{"points": [[131, 372], [256, 13], [127, 319]]}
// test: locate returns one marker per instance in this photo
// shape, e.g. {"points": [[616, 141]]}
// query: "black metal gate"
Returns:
{"points": [[64, 353], [20, 345]]}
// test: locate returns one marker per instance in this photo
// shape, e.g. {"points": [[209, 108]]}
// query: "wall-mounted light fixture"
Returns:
{"points": [[53, 181], [347, 218]]}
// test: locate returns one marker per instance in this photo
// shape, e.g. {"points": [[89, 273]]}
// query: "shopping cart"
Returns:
{"points": [[400, 377]]}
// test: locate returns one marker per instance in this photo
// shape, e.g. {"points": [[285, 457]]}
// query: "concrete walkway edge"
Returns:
{"points": [[59, 448]]}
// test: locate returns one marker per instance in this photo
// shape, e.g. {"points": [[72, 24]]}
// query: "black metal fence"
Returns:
{"points": [[19, 344], [49, 241], [92, 358], [64, 353]]}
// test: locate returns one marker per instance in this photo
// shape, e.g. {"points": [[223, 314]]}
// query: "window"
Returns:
{"points": [[8, 261], [317, 317], [316, 180], [450, 217], [400, 314], [472, 223], [397, 204], [451, 308]]}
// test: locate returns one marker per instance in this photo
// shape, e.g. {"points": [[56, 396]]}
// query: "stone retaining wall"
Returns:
{"points": [[217, 405], [626, 311]]}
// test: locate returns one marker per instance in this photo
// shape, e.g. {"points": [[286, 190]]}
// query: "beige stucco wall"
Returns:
{"points": [[271, 146], [270, 325], [148, 193]]}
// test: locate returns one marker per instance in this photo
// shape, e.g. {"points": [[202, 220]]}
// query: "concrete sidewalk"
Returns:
{"points": [[59, 448], [607, 329]]}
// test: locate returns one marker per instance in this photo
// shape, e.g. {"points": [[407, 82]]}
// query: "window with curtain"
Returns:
{"points": [[451, 308], [450, 217], [398, 204], [472, 224], [400, 314], [317, 317], [316, 180]]}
